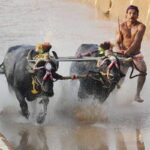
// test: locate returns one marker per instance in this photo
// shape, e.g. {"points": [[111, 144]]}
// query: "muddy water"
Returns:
{"points": [[118, 124]]}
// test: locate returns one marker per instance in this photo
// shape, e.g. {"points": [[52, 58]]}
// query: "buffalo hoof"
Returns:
{"points": [[25, 114], [41, 117]]}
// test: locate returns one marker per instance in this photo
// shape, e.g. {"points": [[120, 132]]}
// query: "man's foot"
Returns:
{"points": [[139, 99]]}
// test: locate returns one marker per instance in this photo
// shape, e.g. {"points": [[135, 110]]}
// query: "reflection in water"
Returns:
{"points": [[120, 143], [139, 140], [4, 144], [79, 138], [62, 136], [26, 141], [91, 138]]}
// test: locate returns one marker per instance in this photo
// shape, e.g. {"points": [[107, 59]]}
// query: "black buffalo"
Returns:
{"points": [[16, 69], [97, 84]]}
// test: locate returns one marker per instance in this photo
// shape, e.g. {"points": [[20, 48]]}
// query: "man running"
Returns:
{"points": [[128, 42]]}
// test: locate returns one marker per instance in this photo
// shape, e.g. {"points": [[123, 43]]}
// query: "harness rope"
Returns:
{"points": [[36, 81], [133, 66], [142, 73]]}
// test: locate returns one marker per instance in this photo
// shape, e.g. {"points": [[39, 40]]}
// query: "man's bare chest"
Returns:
{"points": [[129, 33]]}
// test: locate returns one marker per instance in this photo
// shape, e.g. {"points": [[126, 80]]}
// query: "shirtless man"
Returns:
{"points": [[128, 42]]}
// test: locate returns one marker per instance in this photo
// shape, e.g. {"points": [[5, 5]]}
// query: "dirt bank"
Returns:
{"points": [[113, 9]]}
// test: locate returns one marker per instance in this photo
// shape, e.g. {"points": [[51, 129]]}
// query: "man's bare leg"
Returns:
{"points": [[141, 80]]}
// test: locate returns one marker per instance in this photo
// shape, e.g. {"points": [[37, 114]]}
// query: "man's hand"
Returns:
{"points": [[123, 52], [126, 53], [120, 51]]}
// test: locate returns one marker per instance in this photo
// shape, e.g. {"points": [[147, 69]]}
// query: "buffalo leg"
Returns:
{"points": [[82, 94], [44, 103], [23, 104], [34, 108]]}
